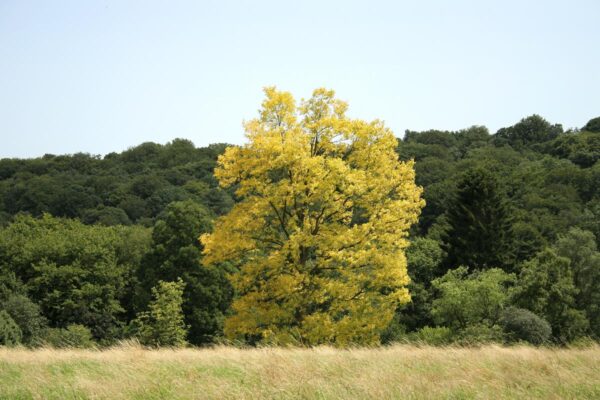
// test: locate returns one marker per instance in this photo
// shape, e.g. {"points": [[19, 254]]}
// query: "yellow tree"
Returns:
{"points": [[318, 235]]}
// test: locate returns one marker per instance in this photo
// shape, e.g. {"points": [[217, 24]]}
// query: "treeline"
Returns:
{"points": [[132, 187], [94, 250], [507, 245], [85, 240]]}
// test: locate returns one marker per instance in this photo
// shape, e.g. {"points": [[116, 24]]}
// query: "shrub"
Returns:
{"points": [[584, 342], [480, 334], [395, 331], [546, 287], [162, 324], [470, 299], [521, 324], [437, 336], [73, 336], [26, 315], [10, 333]]}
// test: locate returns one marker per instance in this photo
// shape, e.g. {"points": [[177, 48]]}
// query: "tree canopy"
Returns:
{"points": [[320, 229], [313, 250]]}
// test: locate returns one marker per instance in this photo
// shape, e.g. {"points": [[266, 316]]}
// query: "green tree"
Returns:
{"points": [[10, 334], [133, 186], [472, 138], [530, 130], [579, 247], [424, 258], [479, 231], [592, 214], [581, 148], [107, 216], [27, 316], [77, 274], [177, 253], [163, 324], [545, 287], [527, 241], [593, 125], [471, 300], [548, 193]]}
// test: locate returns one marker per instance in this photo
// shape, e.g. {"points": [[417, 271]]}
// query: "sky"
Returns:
{"points": [[102, 76]]}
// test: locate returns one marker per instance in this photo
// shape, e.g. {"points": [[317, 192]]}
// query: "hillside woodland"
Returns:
{"points": [[95, 249]]}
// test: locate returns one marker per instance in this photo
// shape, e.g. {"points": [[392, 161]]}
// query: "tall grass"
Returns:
{"points": [[397, 372]]}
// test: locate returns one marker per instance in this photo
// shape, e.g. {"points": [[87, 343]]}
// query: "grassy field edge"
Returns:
{"points": [[400, 371]]}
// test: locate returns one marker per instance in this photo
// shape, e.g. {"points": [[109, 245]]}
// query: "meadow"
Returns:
{"points": [[395, 372]]}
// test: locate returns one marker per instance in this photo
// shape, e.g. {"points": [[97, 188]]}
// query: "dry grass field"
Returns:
{"points": [[398, 372]]}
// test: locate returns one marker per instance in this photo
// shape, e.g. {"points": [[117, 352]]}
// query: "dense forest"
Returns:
{"points": [[98, 249]]}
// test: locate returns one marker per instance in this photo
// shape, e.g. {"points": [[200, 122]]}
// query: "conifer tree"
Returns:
{"points": [[479, 230]]}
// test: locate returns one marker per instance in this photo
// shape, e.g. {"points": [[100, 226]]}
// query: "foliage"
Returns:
{"points": [[394, 332], [527, 241], [163, 324], [583, 342], [107, 216], [581, 148], [593, 125], [26, 314], [466, 300], [479, 223], [77, 274], [492, 201], [520, 324], [73, 335], [545, 287], [176, 253], [579, 247], [319, 231], [478, 334], [434, 336], [530, 130], [10, 334], [131, 187], [424, 258]]}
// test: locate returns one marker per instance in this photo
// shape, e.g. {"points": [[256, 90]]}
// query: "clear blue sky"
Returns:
{"points": [[101, 76]]}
